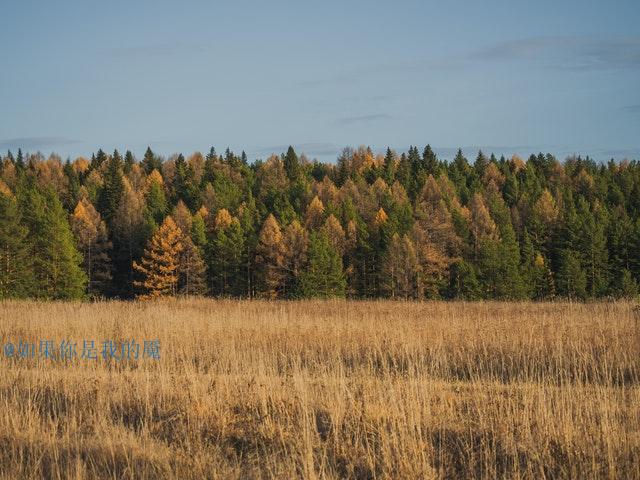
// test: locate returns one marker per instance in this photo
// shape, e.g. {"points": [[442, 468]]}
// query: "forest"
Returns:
{"points": [[400, 225]]}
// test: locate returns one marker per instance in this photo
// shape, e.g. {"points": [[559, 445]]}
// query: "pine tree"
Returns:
{"points": [[156, 202], [535, 273], [226, 256], [463, 282], [93, 243], [184, 185], [20, 160], [625, 285], [98, 159], [129, 161], [160, 264], [73, 186], [593, 247], [112, 189], [418, 173], [56, 261], [150, 162], [324, 276], [199, 229], [388, 167], [430, 161], [16, 263], [571, 279], [291, 164]]}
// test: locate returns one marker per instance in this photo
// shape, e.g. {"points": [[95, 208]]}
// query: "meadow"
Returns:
{"points": [[324, 390]]}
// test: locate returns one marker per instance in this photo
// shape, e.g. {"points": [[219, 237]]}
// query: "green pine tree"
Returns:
{"points": [[56, 261], [324, 276], [16, 263], [571, 278], [112, 189]]}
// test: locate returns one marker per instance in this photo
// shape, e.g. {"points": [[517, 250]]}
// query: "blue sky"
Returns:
{"points": [[506, 76]]}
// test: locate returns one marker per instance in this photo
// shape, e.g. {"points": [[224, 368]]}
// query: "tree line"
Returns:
{"points": [[402, 226]]}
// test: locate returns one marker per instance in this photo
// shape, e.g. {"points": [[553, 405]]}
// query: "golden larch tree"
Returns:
{"points": [[159, 265], [93, 242], [296, 243], [482, 225], [335, 233], [270, 258], [315, 214]]}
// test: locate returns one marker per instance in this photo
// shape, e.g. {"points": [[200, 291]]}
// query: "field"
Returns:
{"points": [[331, 389]]}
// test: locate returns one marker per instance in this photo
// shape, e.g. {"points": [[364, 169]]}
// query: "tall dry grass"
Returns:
{"points": [[326, 390]]}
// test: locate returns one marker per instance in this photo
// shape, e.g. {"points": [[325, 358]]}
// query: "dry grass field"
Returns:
{"points": [[332, 389]]}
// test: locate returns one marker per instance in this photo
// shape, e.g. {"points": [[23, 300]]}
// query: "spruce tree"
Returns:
{"points": [[429, 161], [324, 275], [129, 161], [463, 282], [16, 262], [112, 189], [571, 279], [388, 167], [56, 261], [226, 252], [150, 162], [291, 164], [184, 185]]}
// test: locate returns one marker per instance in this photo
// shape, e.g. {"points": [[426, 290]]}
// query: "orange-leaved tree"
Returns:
{"points": [[159, 265]]}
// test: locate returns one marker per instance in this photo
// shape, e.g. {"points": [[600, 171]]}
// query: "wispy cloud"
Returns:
{"points": [[577, 53], [34, 143], [635, 109], [157, 50], [566, 52], [363, 119]]}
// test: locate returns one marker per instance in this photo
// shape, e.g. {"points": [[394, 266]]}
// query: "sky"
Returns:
{"points": [[502, 76]]}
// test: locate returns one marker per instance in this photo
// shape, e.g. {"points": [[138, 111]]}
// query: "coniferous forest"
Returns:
{"points": [[402, 225]]}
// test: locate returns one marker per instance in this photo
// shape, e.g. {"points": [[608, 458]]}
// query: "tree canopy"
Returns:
{"points": [[391, 224]]}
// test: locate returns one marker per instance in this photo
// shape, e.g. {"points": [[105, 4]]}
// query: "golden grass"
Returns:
{"points": [[326, 390]]}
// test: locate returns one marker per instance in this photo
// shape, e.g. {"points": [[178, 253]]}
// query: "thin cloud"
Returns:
{"points": [[34, 143], [157, 50], [635, 109], [363, 119], [566, 52]]}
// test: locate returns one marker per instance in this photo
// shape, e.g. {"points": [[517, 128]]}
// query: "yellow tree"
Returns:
{"points": [[315, 214], [401, 268], [191, 266], [159, 265], [335, 233], [482, 225], [270, 258], [93, 242], [296, 243]]}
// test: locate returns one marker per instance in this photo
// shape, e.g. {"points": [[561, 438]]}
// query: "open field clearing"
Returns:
{"points": [[336, 389]]}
